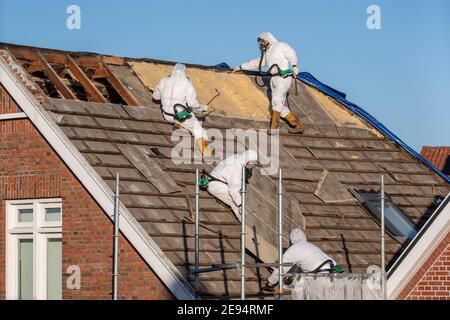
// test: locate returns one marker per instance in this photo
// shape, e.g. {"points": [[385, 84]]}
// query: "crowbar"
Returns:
{"points": [[203, 116], [212, 99]]}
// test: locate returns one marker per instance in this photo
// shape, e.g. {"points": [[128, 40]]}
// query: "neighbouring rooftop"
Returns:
{"points": [[438, 156]]}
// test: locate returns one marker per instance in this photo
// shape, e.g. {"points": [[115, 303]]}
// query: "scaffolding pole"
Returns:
{"points": [[197, 233], [383, 263], [115, 276], [280, 235], [243, 234]]}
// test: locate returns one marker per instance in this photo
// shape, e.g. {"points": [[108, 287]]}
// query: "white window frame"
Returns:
{"points": [[40, 231]]}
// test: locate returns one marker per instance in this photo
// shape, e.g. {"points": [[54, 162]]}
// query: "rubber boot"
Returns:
{"points": [[293, 121], [205, 152], [274, 121]]}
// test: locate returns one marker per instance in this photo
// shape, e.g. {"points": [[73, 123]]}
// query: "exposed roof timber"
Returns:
{"points": [[99, 73], [60, 57], [29, 82], [86, 57], [34, 67], [121, 89], [39, 62], [54, 78], [90, 88], [130, 228], [100, 63]]}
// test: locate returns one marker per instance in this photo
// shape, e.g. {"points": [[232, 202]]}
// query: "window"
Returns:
{"points": [[34, 249], [396, 222]]}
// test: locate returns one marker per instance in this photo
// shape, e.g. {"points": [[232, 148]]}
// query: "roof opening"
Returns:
{"points": [[112, 95], [397, 222], [46, 85], [74, 85]]}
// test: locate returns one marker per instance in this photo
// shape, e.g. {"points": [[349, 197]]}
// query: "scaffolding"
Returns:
{"points": [[115, 275], [353, 285]]}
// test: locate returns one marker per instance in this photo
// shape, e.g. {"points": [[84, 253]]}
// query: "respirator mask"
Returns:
{"points": [[263, 44]]}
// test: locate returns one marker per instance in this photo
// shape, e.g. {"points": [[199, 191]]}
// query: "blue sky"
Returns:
{"points": [[400, 74]]}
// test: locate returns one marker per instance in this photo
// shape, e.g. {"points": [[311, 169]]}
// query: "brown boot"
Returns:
{"points": [[203, 149], [293, 121], [274, 121]]}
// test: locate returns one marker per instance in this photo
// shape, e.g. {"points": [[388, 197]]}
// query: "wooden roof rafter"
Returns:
{"points": [[87, 84], [121, 89], [55, 78], [58, 57]]}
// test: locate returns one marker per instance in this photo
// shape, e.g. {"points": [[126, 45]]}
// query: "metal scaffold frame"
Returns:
{"points": [[241, 265], [115, 275], [243, 192], [280, 264]]}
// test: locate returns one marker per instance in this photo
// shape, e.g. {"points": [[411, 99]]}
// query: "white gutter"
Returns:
{"points": [[132, 230], [419, 249]]}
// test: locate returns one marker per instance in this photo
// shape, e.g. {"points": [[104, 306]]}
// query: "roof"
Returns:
{"points": [[438, 156], [106, 116]]}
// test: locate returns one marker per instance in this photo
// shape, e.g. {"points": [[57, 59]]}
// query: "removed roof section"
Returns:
{"points": [[238, 95], [438, 156]]}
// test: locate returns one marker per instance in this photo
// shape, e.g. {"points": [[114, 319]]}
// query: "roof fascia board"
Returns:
{"points": [[419, 249], [132, 230]]}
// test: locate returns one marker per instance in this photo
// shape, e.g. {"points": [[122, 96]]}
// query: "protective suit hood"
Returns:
{"points": [[179, 72], [297, 235], [248, 156], [267, 36]]}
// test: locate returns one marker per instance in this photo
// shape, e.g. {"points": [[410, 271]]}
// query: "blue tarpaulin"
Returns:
{"points": [[222, 65], [342, 99]]}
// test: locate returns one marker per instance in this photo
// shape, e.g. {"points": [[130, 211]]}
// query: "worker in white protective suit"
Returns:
{"points": [[281, 60], [177, 94], [307, 256], [227, 179]]}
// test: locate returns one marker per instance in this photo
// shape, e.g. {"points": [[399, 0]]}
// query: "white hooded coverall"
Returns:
{"points": [[307, 255], [230, 172], [282, 54], [177, 88]]}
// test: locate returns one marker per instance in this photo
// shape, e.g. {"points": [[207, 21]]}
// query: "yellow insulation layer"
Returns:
{"points": [[239, 97]]}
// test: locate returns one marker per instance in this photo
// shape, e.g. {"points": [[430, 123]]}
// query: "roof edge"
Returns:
{"points": [[133, 231], [219, 67], [419, 249]]}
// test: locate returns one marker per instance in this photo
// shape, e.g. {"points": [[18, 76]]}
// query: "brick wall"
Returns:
{"points": [[432, 281], [30, 168]]}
